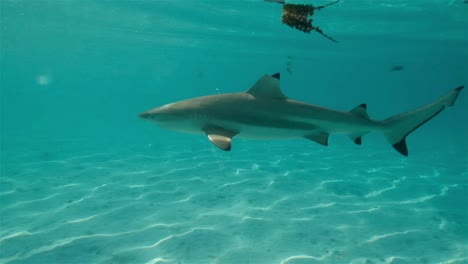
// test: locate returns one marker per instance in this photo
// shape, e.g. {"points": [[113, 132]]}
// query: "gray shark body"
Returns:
{"points": [[264, 112]]}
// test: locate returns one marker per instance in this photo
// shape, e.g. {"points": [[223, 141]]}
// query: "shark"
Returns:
{"points": [[264, 112]]}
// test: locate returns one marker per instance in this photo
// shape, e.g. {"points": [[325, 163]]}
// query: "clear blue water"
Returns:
{"points": [[84, 180]]}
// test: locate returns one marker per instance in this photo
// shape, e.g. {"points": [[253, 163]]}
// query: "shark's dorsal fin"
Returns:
{"points": [[267, 87]]}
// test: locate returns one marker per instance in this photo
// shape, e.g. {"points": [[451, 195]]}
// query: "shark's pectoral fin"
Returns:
{"points": [[221, 142], [321, 138], [220, 137]]}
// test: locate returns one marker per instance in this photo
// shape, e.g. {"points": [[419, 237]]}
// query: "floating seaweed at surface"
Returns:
{"points": [[298, 16]]}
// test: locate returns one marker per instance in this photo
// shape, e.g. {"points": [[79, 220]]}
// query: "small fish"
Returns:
{"points": [[397, 68]]}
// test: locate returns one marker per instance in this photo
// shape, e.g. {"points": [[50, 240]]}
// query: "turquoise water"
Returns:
{"points": [[84, 180]]}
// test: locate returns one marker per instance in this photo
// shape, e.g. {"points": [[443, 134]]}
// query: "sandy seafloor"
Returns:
{"points": [[275, 202], [83, 180]]}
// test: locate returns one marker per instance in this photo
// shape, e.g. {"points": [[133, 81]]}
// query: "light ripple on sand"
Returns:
{"points": [[364, 211], [85, 219], [298, 257], [158, 260], [330, 181], [462, 260], [66, 241], [137, 186], [246, 218], [54, 245], [429, 197], [182, 200], [302, 219], [321, 205], [67, 185], [273, 204], [233, 183], [18, 234], [33, 201], [134, 172], [379, 192], [99, 187], [377, 238], [82, 220], [7, 192], [159, 242]]}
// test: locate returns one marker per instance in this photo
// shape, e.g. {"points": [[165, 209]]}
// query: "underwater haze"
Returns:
{"points": [[83, 179]]}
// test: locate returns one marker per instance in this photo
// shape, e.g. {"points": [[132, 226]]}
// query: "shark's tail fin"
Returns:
{"points": [[396, 128]]}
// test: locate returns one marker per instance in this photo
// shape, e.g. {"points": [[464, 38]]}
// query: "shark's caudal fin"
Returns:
{"points": [[397, 128]]}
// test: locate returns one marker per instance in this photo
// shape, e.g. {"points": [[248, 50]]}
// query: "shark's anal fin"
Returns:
{"points": [[321, 138], [220, 137], [361, 111]]}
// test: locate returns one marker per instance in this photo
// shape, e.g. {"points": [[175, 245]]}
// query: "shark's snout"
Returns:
{"points": [[153, 114], [145, 115]]}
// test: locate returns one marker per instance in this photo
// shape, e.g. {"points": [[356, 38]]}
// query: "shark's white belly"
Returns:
{"points": [[297, 128], [243, 130], [257, 132]]}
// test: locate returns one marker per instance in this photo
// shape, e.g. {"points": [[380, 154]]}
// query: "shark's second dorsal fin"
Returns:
{"points": [[361, 111], [268, 87]]}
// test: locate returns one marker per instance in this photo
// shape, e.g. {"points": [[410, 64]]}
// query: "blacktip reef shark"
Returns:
{"points": [[264, 112]]}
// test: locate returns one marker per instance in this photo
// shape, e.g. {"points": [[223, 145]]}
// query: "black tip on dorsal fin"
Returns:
{"points": [[360, 110], [276, 75], [401, 147], [460, 88]]}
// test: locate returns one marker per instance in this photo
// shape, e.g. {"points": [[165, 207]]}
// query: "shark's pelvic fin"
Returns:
{"points": [[321, 138], [398, 127], [267, 87], [220, 137], [357, 139]]}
